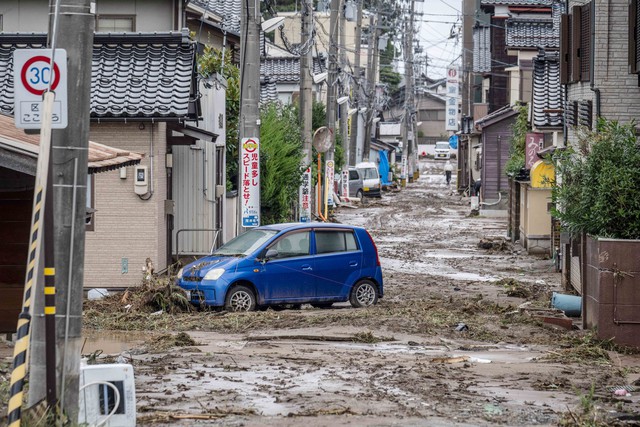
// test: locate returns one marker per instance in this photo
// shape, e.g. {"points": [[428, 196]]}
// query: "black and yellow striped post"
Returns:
{"points": [[50, 326], [24, 320], [19, 372]]}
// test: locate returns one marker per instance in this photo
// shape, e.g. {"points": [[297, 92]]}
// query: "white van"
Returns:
{"points": [[443, 151], [370, 179]]}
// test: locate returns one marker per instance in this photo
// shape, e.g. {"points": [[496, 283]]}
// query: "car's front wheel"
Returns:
{"points": [[363, 294], [240, 298]]}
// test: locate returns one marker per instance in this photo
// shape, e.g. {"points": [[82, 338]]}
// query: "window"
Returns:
{"points": [[328, 241], [575, 45], [1, 26], [115, 23], [431, 115], [292, 245]]}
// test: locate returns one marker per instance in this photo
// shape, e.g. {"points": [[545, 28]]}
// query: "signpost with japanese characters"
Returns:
{"points": [[305, 196], [453, 83], [250, 170]]}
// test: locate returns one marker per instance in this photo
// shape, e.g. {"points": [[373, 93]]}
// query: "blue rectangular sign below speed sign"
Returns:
{"points": [[33, 75]]}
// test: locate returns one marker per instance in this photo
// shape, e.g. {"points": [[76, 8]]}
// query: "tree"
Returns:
{"points": [[280, 160]]}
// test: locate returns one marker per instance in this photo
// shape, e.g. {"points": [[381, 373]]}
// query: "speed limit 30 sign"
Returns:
{"points": [[32, 76]]}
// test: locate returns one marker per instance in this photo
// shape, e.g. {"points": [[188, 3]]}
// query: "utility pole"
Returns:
{"points": [[306, 94], [249, 126], [372, 59], [353, 144], [344, 107], [409, 98], [70, 157], [332, 78]]}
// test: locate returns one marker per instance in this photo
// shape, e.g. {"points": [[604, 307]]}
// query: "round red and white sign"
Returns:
{"points": [[36, 74]]}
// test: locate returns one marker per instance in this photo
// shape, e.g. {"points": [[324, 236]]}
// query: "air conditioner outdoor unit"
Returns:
{"points": [[107, 395]]}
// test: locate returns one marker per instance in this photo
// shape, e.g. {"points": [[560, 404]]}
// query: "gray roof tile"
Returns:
{"points": [[532, 33], [228, 10], [547, 90], [133, 75], [481, 49], [543, 3]]}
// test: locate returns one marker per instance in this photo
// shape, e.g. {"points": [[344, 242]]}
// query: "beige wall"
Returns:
{"points": [[24, 15], [535, 220], [126, 226]]}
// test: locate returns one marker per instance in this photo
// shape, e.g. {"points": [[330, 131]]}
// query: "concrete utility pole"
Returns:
{"points": [[306, 93], [409, 136], [353, 143], [372, 56], [332, 79], [249, 126], [344, 107], [70, 157]]}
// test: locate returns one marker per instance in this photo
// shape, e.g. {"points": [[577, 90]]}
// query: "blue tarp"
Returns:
{"points": [[453, 141], [383, 168]]}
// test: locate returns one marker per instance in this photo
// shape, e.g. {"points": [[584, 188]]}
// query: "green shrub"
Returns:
{"points": [[518, 141], [598, 187], [280, 163]]}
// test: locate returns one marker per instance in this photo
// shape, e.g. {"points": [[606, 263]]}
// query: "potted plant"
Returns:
{"points": [[597, 197]]}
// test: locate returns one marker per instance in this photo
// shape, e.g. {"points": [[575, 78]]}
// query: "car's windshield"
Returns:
{"points": [[442, 145], [245, 243], [370, 173]]}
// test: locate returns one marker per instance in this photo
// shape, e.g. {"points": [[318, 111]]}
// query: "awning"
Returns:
{"points": [[19, 151]]}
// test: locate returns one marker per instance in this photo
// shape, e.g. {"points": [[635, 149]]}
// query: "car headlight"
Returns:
{"points": [[214, 274], [179, 275]]}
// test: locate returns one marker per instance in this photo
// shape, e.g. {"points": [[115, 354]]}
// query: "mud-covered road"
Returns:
{"points": [[455, 340]]}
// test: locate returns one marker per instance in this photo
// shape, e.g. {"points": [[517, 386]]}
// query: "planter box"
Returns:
{"points": [[611, 293]]}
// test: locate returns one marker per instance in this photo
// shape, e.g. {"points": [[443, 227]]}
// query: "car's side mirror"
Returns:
{"points": [[271, 254]]}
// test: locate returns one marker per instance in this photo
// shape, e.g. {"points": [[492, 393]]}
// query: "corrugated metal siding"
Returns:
{"points": [[194, 196], [495, 155]]}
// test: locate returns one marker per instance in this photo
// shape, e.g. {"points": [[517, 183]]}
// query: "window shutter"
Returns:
{"points": [[575, 43], [585, 42], [565, 48], [585, 114]]}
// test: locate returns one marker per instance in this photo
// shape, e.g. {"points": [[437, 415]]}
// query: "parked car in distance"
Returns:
{"points": [[443, 150], [371, 179], [294, 263]]}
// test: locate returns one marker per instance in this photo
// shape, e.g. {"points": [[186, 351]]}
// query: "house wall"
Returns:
{"points": [[620, 94], [535, 220], [125, 226], [33, 15]]}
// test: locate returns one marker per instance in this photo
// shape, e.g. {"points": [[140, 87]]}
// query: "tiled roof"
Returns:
{"points": [[547, 90], [481, 49], [268, 93], [496, 116], [532, 33], [133, 75], [101, 157], [285, 70], [229, 10], [543, 3]]}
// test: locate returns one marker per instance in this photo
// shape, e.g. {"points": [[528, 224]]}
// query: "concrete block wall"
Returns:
{"points": [[125, 226]]}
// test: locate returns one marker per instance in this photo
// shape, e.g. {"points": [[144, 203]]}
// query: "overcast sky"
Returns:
{"points": [[436, 23]]}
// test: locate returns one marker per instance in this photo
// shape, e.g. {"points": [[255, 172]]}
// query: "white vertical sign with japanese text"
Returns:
{"points": [[250, 172], [453, 92], [305, 196], [345, 184], [329, 171]]}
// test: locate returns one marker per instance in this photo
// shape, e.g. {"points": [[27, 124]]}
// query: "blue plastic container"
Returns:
{"points": [[570, 304]]}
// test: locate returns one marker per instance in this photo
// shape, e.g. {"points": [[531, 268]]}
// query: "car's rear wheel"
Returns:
{"points": [[363, 294], [321, 304], [240, 298], [360, 195]]}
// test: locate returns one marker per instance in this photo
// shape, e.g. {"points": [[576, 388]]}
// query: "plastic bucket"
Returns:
{"points": [[570, 304]]}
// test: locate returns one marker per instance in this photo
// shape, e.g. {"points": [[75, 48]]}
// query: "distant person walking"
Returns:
{"points": [[448, 168]]}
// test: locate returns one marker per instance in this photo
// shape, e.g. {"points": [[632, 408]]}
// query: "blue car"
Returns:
{"points": [[295, 263]]}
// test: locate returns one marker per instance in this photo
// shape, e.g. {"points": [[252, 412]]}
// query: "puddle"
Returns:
{"points": [[111, 342]]}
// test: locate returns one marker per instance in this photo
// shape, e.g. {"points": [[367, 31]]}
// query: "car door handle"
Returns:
{"points": [[307, 267], [353, 263]]}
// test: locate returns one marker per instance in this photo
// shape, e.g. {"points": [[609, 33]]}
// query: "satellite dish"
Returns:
{"points": [[322, 139]]}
